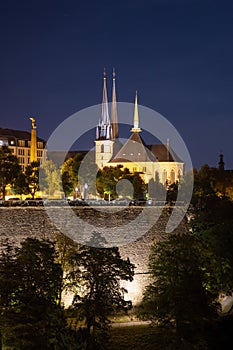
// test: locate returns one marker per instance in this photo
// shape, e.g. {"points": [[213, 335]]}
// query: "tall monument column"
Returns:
{"points": [[33, 146]]}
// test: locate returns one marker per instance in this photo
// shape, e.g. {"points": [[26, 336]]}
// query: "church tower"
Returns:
{"points": [[136, 116], [104, 133], [114, 117]]}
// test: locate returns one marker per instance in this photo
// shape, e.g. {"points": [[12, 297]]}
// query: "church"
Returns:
{"points": [[150, 161]]}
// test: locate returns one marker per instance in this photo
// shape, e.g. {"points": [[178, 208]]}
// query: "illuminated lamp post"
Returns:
{"points": [[85, 191]]}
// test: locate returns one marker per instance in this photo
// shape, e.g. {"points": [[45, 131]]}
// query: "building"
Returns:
{"points": [[25, 145], [149, 160]]}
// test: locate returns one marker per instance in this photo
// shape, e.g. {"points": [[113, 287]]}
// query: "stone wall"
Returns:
{"points": [[17, 223]]}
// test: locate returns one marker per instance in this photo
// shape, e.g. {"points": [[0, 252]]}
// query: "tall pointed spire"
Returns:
{"points": [[114, 117], [104, 129], [104, 112], [136, 117]]}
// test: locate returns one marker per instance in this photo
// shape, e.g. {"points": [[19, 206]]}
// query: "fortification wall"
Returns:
{"points": [[17, 223]]}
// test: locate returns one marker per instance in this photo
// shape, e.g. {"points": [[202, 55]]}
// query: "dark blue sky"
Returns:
{"points": [[177, 53]]}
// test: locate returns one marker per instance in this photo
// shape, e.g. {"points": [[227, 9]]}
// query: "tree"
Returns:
{"points": [[106, 181], [9, 169], [139, 186], [184, 289], [156, 189], [67, 184], [32, 178], [95, 278], [108, 178], [20, 185], [31, 316], [50, 178], [78, 171]]}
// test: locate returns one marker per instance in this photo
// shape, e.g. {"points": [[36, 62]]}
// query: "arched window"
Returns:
{"points": [[172, 176], [164, 176], [102, 148]]}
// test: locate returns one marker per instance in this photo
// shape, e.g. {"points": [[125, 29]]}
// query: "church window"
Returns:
{"points": [[164, 176], [102, 148], [172, 176], [144, 169]]}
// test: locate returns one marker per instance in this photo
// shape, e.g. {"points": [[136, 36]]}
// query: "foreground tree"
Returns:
{"points": [[20, 185], [31, 316], [95, 277], [9, 169], [183, 294]]}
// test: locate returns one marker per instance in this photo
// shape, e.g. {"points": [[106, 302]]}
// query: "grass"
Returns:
{"points": [[134, 338]]}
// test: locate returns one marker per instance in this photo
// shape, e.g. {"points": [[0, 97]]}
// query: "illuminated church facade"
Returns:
{"points": [[150, 161]]}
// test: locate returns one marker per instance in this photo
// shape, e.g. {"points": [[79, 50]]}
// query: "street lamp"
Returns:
{"points": [[85, 191], [76, 192]]}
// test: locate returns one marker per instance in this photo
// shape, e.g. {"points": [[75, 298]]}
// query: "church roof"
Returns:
{"points": [[134, 150], [164, 153]]}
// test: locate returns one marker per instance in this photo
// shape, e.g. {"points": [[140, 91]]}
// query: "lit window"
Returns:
{"points": [[172, 176], [21, 143], [164, 176]]}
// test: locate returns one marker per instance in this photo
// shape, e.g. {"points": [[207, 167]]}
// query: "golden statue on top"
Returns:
{"points": [[33, 123]]}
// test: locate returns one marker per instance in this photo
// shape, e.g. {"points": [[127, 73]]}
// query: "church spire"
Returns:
{"points": [[104, 129], [136, 117], [114, 117], [104, 112]]}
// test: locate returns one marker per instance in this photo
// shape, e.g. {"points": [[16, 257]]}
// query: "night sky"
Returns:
{"points": [[177, 53]]}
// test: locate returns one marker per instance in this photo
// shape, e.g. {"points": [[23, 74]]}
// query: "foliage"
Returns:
{"points": [[67, 184], [32, 178], [211, 181], [108, 178], [9, 169], [20, 185], [95, 278], [31, 316], [77, 171], [50, 178], [156, 189], [184, 290]]}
